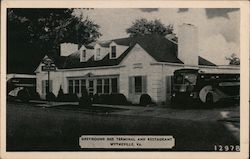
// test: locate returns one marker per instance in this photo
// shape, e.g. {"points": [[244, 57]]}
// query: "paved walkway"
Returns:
{"points": [[216, 114], [52, 104]]}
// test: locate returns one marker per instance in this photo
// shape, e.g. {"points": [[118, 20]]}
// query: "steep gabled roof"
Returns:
{"points": [[60, 61], [160, 48], [205, 62], [104, 44], [74, 61], [123, 41], [89, 47]]}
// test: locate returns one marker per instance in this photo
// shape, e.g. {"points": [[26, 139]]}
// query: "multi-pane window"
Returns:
{"points": [[106, 85], [83, 85], [113, 51], [98, 53], [138, 84], [77, 90], [83, 55], [99, 86], [70, 86], [114, 85], [96, 85]]}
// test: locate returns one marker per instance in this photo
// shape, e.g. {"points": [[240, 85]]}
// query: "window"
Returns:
{"points": [[190, 79], [83, 85], [178, 79], [98, 53], [99, 86], [77, 90], [113, 51], [106, 85], [70, 86], [138, 84], [83, 55], [114, 85]]}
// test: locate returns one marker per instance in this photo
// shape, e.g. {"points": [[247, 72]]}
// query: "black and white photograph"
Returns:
{"points": [[96, 79]]}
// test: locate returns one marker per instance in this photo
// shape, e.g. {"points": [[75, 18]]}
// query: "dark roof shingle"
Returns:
{"points": [[160, 48], [205, 62]]}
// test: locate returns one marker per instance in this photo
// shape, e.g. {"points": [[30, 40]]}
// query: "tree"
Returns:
{"points": [[145, 27], [233, 59], [32, 33]]}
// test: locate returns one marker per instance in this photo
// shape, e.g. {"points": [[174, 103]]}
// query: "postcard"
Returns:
{"points": [[125, 79]]}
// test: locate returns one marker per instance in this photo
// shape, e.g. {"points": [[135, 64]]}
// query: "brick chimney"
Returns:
{"points": [[68, 48], [188, 44]]}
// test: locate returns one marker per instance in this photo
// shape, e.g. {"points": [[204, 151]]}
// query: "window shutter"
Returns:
{"points": [[168, 84], [144, 84], [131, 84], [43, 86], [50, 85], [172, 82]]}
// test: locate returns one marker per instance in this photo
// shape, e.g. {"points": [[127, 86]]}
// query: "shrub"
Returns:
{"points": [[96, 99], [129, 103], [35, 96], [85, 100], [50, 96], [60, 95], [71, 97], [67, 97], [23, 95], [119, 99], [10, 98], [104, 99], [115, 99], [145, 99]]}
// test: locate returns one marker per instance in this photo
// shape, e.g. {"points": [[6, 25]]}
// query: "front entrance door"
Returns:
{"points": [[91, 87]]}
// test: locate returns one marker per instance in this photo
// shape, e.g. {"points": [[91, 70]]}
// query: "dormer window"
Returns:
{"points": [[84, 55], [98, 53], [113, 52]]}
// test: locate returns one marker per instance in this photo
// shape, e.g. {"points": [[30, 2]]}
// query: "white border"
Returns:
{"points": [[244, 108]]}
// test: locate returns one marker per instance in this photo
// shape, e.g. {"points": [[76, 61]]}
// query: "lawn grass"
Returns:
{"points": [[45, 129]]}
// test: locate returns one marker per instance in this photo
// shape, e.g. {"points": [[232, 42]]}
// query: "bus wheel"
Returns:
{"points": [[209, 99]]}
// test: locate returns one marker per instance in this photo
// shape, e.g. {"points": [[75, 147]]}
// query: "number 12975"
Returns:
{"points": [[227, 148]]}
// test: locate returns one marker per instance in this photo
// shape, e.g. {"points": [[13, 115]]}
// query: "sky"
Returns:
{"points": [[219, 29]]}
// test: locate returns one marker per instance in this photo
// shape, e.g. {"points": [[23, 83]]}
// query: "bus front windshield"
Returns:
{"points": [[186, 78]]}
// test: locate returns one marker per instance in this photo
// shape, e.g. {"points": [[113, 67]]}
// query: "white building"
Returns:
{"points": [[131, 66]]}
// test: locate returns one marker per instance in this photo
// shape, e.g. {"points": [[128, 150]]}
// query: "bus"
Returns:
{"points": [[196, 86]]}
